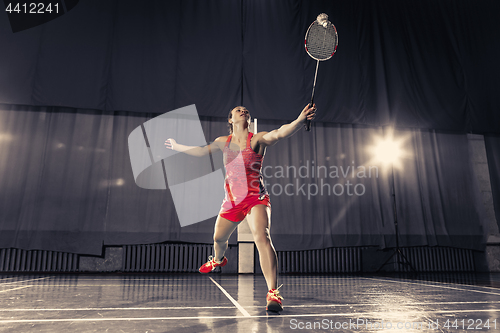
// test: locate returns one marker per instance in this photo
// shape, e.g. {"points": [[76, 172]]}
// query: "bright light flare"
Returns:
{"points": [[387, 150]]}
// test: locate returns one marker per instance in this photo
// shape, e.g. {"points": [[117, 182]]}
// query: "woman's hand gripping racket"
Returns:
{"points": [[321, 43]]}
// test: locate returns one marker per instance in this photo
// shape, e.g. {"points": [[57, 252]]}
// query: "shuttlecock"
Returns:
{"points": [[322, 19]]}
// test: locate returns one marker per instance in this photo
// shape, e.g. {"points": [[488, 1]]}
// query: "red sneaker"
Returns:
{"points": [[273, 299], [211, 264]]}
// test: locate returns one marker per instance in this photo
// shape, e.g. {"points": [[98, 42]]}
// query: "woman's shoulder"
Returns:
{"points": [[220, 142], [222, 138]]}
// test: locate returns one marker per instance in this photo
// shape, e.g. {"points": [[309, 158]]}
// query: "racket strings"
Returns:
{"points": [[321, 42]]}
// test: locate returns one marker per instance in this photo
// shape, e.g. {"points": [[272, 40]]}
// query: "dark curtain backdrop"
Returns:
{"points": [[66, 184], [492, 143], [426, 64]]}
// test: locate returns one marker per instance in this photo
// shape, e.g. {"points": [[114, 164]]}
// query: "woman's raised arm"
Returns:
{"points": [[287, 130], [218, 144]]}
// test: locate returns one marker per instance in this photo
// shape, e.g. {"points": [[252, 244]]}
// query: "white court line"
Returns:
{"points": [[2, 291], [77, 285], [249, 306], [243, 311], [85, 279], [125, 309], [459, 284], [349, 315], [436, 286], [1, 284]]}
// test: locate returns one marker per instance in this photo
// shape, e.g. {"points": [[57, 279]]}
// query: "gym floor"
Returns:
{"points": [[236, 303]]}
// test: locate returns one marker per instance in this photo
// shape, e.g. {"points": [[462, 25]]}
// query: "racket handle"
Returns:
{"points": [[308, 122], [308, 125]]}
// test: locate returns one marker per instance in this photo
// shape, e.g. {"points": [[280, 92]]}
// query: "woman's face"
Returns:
{"points": [[239, 114]]}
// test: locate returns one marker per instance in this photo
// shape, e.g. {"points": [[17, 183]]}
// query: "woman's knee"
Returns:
{"points": [[220, 240], [261, 239]]}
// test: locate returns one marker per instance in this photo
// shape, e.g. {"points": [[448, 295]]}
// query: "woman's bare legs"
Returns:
{"points": [[259, 221], [223, 230]]}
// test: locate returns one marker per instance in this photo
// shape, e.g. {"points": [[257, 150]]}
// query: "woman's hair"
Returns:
{"points": [[230, 126]]}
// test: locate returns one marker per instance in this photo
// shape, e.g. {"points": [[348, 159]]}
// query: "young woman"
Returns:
{"points": [[246, 195]]}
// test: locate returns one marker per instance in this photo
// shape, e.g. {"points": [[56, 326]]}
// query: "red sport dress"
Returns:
{"points": [[244, 184]]}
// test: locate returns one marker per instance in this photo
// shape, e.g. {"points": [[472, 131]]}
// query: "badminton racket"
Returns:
{"points": [[321, 43]]}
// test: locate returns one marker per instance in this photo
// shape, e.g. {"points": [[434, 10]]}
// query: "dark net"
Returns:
{"points": [[321, 42]]}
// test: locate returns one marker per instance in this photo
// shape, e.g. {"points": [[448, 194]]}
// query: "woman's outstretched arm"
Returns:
{"points": [[193, 150], [287, 130]]}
